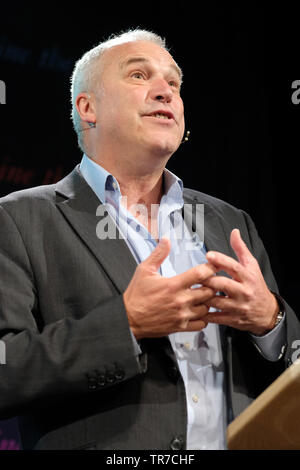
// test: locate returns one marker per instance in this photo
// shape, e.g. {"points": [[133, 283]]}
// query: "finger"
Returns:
{"points": [[223, 303], [228, 264], [158, 255], [196, 312], [240, 248], [229, 319], [218, 318], [201, 294], [194, 275], [196, 325], [223, 284]]}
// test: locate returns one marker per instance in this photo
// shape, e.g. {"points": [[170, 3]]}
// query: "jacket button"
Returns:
{"points": [[289, 362], [92, 384], [176, 443], [119, 374], [110, 378], [101, 380]]}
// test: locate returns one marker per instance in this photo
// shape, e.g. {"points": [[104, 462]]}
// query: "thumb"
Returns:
{"points": [[240, 247], [159, 254]]}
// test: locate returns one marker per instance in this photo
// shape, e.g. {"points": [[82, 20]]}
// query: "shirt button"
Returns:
{"points": [[114, 185], [195, 398], [187, 346], [176, 443]]}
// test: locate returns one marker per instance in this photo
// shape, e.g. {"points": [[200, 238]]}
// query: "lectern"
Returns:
{"points": [[272, 421]]}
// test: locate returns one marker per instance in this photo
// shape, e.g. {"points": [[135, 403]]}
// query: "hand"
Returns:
{"points": [[248, 305], [157, 306]]}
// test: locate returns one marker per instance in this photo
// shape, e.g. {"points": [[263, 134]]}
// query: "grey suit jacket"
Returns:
{"points": [[71, 373]]}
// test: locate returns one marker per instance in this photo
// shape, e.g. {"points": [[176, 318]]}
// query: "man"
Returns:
{"points": [[118, 332]]}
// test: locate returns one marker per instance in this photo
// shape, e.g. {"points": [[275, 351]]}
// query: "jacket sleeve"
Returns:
{"points": [[68, 357], [292, 324]]}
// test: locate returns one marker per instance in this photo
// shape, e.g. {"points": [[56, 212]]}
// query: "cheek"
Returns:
{"points": [[181, 113], [110, 113], [122, 109]]}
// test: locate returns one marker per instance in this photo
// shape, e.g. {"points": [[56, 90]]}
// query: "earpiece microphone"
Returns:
{"points": [[91, 125], [186, 138]]}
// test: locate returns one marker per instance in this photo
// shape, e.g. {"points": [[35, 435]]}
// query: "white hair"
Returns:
{"points": [[86, 69]]}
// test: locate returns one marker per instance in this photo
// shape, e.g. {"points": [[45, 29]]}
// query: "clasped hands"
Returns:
{"points": [[157, 306]]}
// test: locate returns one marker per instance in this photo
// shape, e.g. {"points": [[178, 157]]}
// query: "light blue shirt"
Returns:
{"points": [[199, 354]]}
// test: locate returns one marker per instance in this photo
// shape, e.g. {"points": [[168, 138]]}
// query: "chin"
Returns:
{"points": [[163, 147]]}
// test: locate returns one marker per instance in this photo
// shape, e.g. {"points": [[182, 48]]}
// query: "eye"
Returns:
{"points": [[138, 75], [174, 84]]}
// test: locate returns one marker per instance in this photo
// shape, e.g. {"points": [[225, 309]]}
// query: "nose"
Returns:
{"points": [[161, 91]]}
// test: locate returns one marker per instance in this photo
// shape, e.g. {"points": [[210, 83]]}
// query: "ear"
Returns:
{"points": [[85, 107]]}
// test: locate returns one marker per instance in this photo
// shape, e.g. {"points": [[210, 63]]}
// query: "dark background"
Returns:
{"points": [[239, 64]]}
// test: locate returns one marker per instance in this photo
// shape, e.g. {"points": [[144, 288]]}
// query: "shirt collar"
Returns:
{"points": [[101, 181]]}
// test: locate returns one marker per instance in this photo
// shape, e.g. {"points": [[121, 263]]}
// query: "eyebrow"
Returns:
{"points": [[134, 60]]}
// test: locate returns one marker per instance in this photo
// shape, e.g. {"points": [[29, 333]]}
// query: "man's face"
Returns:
{"points": [[139, 107]]}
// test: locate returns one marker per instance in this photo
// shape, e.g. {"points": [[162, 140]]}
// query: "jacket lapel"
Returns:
{"points": [[79, 206], [214, 236]]}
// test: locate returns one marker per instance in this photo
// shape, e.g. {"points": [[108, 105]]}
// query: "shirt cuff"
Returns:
{"points": [[140, 356], [137, 349], [272, 345]]}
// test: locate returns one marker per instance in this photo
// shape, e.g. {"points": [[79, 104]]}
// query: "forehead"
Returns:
{"points": [[119, 57]]}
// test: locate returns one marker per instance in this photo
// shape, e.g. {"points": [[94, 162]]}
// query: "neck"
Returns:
{"points": [[146, 189], [140, 179], [141, 186]]}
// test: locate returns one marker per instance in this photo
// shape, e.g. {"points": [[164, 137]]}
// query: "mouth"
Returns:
{"points": [[161, 114]]}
